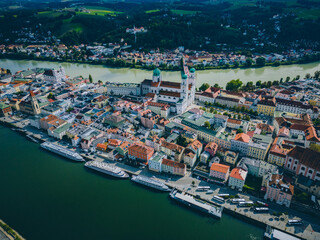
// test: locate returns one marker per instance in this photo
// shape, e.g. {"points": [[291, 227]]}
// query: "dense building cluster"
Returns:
{"points": [[167, 126]]}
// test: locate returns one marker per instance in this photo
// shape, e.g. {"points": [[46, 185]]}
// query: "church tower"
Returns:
{"points": [[34, 104], [184, 86], [156, 75]]}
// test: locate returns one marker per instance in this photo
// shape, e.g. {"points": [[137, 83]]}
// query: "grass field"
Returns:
{"points": [[152, 11], [183, 12], [306, 13], [49, 14], [97, 11]]}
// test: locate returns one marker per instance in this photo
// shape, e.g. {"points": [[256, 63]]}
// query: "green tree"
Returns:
{"points": [[258, 84], [50, 96], [308, 76], [261, 61], [207, 124], [90, 78], [316, 75], [216, 85], [276, 64], [287, 79], [204, 87], [239, 130], [249, 62], [234, 85], [315, 147]]}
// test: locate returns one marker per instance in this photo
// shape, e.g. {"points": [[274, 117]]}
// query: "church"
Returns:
{"points": [[179, 96]]}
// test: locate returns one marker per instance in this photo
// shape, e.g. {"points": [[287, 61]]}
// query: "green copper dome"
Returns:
{"points": [[156, 72], [184, 76], [192, 70]]}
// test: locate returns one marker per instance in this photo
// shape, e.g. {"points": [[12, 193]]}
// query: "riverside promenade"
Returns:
{"points": [[307, 231], [7, 233]]}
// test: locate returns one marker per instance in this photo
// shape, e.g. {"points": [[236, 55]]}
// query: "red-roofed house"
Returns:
{"points": [[140, 153], [219, 172], [237, 178]]}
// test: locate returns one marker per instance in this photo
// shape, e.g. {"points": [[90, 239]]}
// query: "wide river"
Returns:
{"points": [[47, 197], [221, 77]]}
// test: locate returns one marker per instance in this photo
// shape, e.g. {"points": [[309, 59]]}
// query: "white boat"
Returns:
{"points": [[62, 151], [149, 182], [195, 203], [107, 169]]}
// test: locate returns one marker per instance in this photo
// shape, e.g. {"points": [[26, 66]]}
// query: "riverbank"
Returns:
{"points": [[7, 233], [308, 231], [118, 64], [126, 75]]}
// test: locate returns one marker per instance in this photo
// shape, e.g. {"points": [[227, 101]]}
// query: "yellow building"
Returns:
{"points": [[266, 107], [259, 146]]}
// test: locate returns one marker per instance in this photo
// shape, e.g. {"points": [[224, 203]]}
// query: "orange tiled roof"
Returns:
{"points": [[242, 137], [219, 167]]}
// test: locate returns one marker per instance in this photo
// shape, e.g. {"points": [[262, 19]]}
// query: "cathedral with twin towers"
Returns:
{"points": [[178, 95]]}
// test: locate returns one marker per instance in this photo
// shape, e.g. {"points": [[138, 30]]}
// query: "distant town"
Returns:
{"points": [[259, 143], [122, 55]]}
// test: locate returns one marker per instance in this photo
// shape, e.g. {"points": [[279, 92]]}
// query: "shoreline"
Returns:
{"points": [[257, 219], [145, 68], [9, 232]]}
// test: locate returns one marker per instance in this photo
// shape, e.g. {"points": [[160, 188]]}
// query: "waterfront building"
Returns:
{"points": [[237, 178], [44, 122], [155, 162], [208, 95], [279, 191], [219, 172], [5, 110], [189, 157], [140, 153], [174, 168], [123, 148]]}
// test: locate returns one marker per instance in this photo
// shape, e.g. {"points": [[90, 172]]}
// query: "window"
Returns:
{"points": [[310, 171], [303, 168]]}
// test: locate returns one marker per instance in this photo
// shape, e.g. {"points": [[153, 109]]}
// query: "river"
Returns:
{"points": [[47, 197], [221, 77]]}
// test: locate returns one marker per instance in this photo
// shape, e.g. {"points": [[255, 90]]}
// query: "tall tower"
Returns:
{"points": [[184, 86], [34, 104], [156, 75]]}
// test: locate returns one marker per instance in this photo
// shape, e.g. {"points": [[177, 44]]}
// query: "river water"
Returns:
{"points": [[47, 197], [221, 77]]}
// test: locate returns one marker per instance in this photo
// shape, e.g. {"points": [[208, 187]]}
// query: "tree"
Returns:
{"points": [[276, 64], [308, 76], [100, 82], [239, 130], [261, 61], [90, 78], [316, 75], [315, 147], [234, 85], [50, 96], [216, 85], [236, 64], [249, 62], [193, 182], [258, 83], [207, 124], [204, 87], [287, 79]]}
